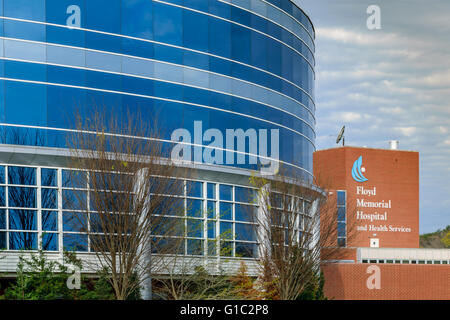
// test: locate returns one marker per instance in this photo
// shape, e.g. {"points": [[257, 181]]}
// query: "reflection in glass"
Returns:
{"points": [[75, 242], [245, 232], [22, 220], [245, 213], [49, 220], [50, 242], [74, 199], [22, 176], [225, 192], [48, 177], [246, 250], [194, 208], [341, 198], [195, 247], [195, 228], [226, 211], [49, 199], [2, 174], [2, 240], [194, 189], [2, 219], [22, 241], [211, 190], [2, 197], [74, 221]]}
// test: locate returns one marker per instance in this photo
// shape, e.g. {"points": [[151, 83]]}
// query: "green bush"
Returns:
{"points": [[41, 279]]}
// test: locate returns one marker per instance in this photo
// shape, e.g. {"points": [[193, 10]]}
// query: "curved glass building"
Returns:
{"points": [[191, 64]]}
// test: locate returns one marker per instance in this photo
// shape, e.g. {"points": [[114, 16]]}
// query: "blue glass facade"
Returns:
{"points": [[230, 64]]}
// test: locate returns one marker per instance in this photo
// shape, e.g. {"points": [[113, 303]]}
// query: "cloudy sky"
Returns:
{"points": [[388, 84]]}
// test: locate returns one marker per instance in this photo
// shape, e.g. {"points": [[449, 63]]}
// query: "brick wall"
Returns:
{"points": [[397, 282], [395, 176]]}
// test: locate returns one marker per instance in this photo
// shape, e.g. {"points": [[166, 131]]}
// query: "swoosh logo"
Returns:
{"points": [[356, 171]]}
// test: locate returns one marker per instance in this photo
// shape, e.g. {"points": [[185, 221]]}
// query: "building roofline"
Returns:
{"points": [[365, 148]]}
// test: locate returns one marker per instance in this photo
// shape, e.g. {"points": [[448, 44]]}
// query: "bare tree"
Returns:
{"points": [[129, 209], [297, 230]]}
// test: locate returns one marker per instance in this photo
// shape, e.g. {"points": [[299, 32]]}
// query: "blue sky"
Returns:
{"points": [[388, 84]]}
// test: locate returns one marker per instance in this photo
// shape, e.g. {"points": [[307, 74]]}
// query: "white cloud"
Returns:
{"points": [[443, 129], [406, 131], [392, 110]]}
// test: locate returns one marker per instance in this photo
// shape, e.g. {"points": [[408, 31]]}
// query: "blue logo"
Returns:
{"points": [[357, 171]]}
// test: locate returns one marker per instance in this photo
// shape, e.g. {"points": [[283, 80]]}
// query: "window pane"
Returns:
{"points": [[211, 209], [2, 197], [226, 248], [22, 220], [74, 179], [2, 174], [341, 198], [211, 191], [22, 176], [246, 250], [194, 189], [167, 186], [341, 214], [341, 229], [211, 229], [2, 240], [195, 228], [245, 213], [75, 242], [226, 210], [2, 219], [25, 9], [22, 197], [245, 195], [167, 246], [49, 199], [245, 232], [195, 247], [170, 206], [49, 221], [225, 192], [50, 242], [194, 208], [167, 226], [74, 199], [22, 241], [226, 230], [212, 248], [74, 221], [48, 177]]}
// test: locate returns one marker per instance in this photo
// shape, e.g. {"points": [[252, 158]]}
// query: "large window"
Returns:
{"points": [[47, 208], [342, 218]]}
